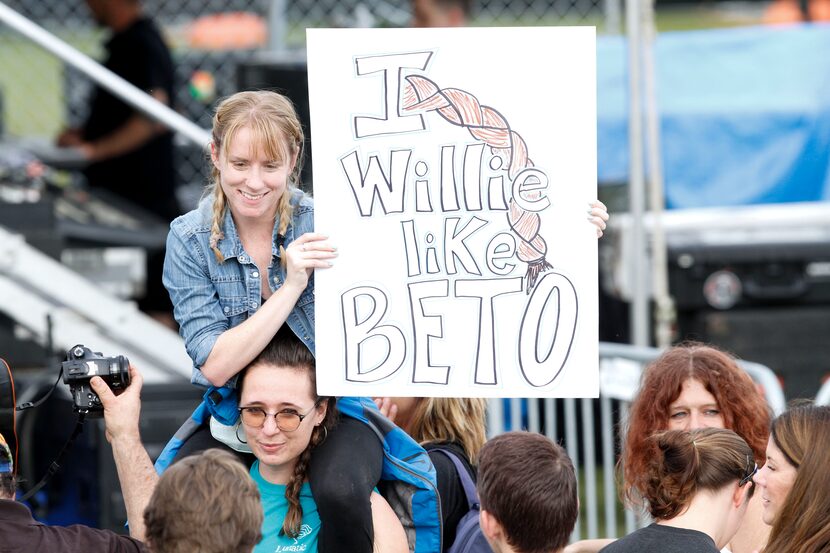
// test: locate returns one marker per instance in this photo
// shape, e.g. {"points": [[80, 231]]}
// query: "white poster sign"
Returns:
{"points": [[453, 170]]}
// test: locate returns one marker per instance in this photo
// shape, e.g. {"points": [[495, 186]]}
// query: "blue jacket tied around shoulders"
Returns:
{"points": [[408, 474]]}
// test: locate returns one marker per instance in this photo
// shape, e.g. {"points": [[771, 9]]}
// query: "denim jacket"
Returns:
{"points": [[210, 297]]}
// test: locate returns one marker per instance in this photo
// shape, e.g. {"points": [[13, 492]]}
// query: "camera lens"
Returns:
{"points": [[120, 371]]}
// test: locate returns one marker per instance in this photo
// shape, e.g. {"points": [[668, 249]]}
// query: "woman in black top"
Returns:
{"points": [[454, 424], [697, 489]]}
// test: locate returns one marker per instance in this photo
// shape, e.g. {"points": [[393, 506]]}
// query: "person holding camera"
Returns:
{"points": [[169, 512], [21, 533]]}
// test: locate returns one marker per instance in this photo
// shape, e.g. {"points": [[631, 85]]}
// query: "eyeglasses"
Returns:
{"points": [[286, 420], [749, 472]]}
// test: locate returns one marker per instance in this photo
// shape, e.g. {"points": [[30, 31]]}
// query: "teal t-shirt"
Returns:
{"points": [[276, 507]]}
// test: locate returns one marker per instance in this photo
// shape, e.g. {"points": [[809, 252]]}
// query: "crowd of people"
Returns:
{"points": [[695, 471], [265, 464]]}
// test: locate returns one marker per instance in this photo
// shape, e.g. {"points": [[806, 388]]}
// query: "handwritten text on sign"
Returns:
{"points": [[446, 284]]}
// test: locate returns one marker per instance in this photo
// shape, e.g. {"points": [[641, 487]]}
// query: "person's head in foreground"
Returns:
{"points": [[257, 157], [691, 386], [528, 494], [795, 481], [8, 482], [206, 502], [701, 480], [283, 418]]}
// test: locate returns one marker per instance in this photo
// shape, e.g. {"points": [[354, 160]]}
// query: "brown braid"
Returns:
{"points": [[285, 210], [216, 233], [484, 123], [286, 351], [294, 517]]}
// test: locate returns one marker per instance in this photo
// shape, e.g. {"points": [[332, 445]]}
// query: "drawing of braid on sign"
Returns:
{"points": [[487, 125]]}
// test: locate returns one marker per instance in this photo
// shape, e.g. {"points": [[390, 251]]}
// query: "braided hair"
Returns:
{"points": [[487, 125], [286, 351]]}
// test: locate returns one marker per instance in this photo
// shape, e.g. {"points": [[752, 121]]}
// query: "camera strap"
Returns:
{"points": [[56, 464], [33, 404]]}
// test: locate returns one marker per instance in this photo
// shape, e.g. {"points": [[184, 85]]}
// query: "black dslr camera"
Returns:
{"points": [[81, 365]]}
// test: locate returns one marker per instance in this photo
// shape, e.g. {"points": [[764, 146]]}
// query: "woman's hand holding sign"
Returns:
{"points": [[598, 215], [310, 251]]}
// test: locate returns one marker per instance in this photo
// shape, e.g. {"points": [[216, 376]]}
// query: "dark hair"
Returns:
{"points": [[527, 483], [206, 502], [8, 485], [689, 462], [287, 351], [743, 408], [802, 524]]}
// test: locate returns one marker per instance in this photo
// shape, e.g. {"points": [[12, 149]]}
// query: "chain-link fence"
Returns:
{"points": [[39, 95]]}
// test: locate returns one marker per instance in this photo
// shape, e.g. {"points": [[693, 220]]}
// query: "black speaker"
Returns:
{"points": [[768, 303], [790, 340]]}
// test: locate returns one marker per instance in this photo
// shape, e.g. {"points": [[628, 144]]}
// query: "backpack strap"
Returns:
{"points": [[464, 475]]}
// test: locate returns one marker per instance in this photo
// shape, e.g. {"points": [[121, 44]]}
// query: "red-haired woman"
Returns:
{"points": [[692, 386]]}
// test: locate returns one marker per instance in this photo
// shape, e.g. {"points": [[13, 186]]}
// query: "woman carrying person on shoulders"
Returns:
{"points": [[238, 269]]}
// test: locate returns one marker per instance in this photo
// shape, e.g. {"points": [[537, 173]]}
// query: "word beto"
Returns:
{"points": [[549, 320]]}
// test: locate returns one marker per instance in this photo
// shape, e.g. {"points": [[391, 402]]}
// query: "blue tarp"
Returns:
{"points": [[744, 114]]}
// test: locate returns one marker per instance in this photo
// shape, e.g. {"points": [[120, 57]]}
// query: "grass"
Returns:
{"points": [[600, 505], [29, 80], [31, 84]]}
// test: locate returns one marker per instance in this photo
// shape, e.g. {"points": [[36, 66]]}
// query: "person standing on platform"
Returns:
{"points": [[129, 154]]}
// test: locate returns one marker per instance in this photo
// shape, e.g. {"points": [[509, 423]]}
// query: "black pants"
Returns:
{"points": [[344, 470]]}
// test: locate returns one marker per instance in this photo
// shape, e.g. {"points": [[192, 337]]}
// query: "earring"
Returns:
{"points": [[315, 438], [237, 434]]}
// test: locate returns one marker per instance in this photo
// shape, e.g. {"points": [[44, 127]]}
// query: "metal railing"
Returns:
{"points": [[104, 77]]}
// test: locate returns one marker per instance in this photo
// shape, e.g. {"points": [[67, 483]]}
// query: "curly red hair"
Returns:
{"points": [[743, 408]]}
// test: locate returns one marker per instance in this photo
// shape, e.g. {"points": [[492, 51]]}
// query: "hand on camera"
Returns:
{"points": [[121, 412]]}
